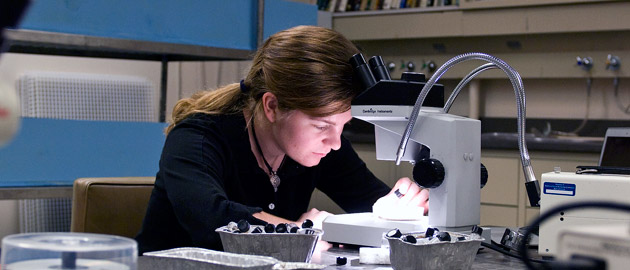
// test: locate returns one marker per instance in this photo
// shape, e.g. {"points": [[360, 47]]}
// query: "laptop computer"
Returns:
{"points": [[615, 155], [616, 149]]}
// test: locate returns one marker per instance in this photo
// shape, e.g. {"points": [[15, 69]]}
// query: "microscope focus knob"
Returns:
{"points": [[484, 175], [428, 173]]}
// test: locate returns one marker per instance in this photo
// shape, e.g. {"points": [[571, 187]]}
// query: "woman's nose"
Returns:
{"points": [[334, 140]]}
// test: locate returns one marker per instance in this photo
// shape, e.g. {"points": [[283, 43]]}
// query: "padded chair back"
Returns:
{"points": [[115, 205]]}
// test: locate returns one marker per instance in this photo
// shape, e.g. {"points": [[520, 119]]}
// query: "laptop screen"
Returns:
{"points": [[616, 149]]}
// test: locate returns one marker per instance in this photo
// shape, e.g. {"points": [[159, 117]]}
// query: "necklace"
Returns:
{"points": [[273, 175]]}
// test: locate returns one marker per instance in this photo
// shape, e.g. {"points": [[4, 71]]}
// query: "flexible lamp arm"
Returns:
{"points": [[532, 186]]}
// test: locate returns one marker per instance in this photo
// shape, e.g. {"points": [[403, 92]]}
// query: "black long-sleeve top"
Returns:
{"points": [[208, 176]]}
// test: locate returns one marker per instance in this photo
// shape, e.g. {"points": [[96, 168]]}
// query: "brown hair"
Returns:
{"points": [[305, 67]]}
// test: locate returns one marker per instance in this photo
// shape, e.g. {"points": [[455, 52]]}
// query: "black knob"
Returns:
{"points": [[444, 236], [430, 232], [282, 228], [476, 229], [411, 66], [395, 233], [431, 66], [243, 225], [428, 173], [292, 228], [270, 228], [409, 239], [484, 175], [307, 224]]}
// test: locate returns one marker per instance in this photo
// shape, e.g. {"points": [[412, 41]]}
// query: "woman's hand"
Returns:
{"points": [[314, 215], [412, 194]]}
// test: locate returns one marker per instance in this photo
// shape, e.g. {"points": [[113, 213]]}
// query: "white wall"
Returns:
{"points": [[184, 78]]}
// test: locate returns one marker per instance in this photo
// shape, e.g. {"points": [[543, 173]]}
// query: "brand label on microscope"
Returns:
{"points": [[563, 189]]}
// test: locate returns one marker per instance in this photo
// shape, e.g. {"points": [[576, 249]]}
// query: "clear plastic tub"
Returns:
{"points": [[68, 251]]}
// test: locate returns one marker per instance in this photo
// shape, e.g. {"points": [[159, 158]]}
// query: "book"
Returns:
{"points": [[387, 4], [364, 4], [342, 6]]}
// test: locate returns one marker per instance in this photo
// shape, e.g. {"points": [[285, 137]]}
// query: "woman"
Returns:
{"points": [[257, 150]]}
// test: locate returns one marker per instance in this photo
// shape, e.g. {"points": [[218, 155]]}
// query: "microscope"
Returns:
{"points": [[445, 149]]}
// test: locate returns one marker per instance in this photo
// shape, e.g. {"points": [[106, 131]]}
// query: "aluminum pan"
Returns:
{"points": [[204, 259], [287, 247], [441, 255]]}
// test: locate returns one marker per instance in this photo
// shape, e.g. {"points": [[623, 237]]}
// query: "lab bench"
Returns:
{"points": [[485, 258]]}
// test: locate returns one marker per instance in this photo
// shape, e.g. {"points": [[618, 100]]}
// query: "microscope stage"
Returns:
{"points": [[365, 229]]}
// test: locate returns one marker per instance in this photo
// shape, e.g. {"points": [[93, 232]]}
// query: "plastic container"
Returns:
{"points": [[439, 255], [68, 251], [286, 247]]}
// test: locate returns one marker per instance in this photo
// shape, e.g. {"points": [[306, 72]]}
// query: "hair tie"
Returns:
{"points": [[244, 88]]}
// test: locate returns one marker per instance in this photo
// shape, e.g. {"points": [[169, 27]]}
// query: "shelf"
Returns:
{"points": [[566, 17], [35, 193], [393, 11], [51, 43]]}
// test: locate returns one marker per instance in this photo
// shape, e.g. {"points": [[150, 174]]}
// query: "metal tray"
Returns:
{"points": [[440, 255], [203, 259], [286, 247]]}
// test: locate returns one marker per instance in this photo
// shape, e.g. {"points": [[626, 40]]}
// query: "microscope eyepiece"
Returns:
{"points": [[378, 68], [362, 72]]}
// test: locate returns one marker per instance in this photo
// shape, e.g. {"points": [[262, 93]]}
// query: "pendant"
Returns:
{"points": [[275, 181]]}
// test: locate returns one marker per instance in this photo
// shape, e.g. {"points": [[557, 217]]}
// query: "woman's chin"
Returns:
{"points": [[310, 162]]}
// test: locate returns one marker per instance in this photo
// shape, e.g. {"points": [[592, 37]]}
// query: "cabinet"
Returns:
{"points": [[475, 18], [504, 200], [540, 39]]}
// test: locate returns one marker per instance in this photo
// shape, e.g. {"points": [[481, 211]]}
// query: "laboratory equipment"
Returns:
{"points": [[607, 245], [445, 149], [68, 251], [564, 187]]}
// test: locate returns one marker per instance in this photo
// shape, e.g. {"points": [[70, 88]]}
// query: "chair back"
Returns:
{"points": [[112, 205]]}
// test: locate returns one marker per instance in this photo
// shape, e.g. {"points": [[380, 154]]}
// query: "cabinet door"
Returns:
{"points": [[502, 186], [503, 216]]}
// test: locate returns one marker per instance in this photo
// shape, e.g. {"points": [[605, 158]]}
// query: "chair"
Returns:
{"points": [[115, 205]]}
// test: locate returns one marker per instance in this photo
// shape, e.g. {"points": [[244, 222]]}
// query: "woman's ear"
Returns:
{"points": [[270, 106]]}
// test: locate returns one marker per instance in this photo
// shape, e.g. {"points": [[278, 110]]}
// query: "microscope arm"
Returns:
{"points": [[532, 185]]}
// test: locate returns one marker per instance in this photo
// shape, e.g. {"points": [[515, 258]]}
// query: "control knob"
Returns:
{"points": [[428, 173]]}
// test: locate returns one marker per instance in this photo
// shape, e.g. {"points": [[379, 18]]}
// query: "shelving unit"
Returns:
{"points": [[52, 43], [158, 31], [484, 20]]}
